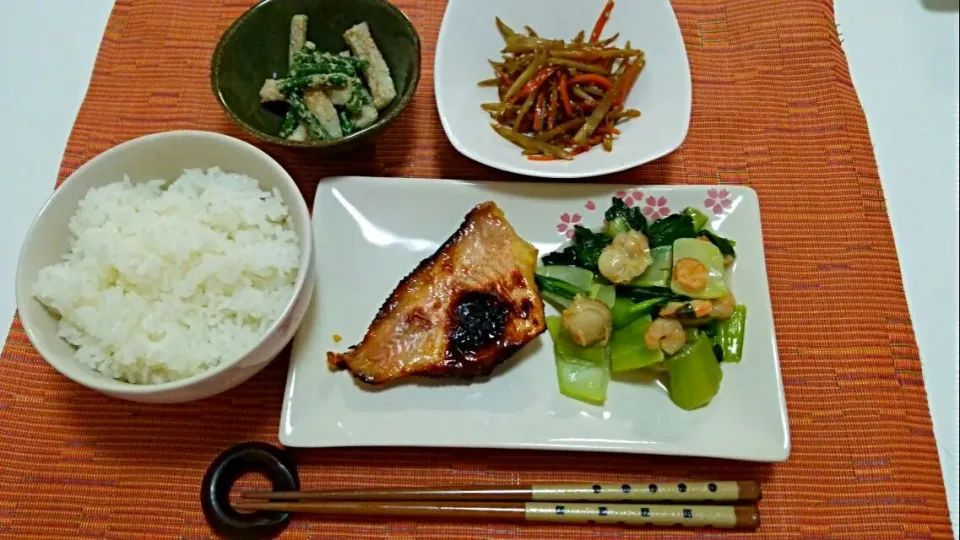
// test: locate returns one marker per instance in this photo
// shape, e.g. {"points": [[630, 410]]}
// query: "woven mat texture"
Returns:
{"points": [[773, 108]]}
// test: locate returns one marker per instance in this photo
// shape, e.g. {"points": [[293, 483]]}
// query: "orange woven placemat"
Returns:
{"points": [[774, 108]]}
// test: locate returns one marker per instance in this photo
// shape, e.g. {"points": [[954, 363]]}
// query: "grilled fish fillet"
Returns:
{"points": [[462, 311]]}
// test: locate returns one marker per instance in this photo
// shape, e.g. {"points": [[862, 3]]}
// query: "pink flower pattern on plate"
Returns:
{"points": [[717, 200], [567, 222], [630, 199], [656, 208], [590, 205]]}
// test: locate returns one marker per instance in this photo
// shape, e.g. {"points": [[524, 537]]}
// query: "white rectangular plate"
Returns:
{"points": [[371, 232]]}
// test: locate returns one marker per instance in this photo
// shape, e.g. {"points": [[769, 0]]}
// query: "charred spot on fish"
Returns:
{"points": [[478, 320]]}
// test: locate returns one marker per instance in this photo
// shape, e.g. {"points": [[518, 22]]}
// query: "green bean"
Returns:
{"points": [[628, 113], [524, 77], [522, 44], [489, 82], [605, 42], [530, 143], [617, 73], [346, 124], [517, 63], [580, 93], [594, 54], [359, 96], [598, 114], [497, 107], [560, 130], [296, 84], [289, 124], [504, 30], [588, 68], [303, 113], [309, 62], [524, 109], [593, 90]]}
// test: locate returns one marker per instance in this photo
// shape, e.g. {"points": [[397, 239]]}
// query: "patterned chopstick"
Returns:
{"points": [[726, 517], [718, 491]]}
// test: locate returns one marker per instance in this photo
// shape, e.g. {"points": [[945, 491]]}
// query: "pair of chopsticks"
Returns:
{"points": [[688, 504]]}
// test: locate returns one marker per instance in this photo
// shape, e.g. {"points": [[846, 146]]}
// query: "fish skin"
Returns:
{"points": [[463, 311]]}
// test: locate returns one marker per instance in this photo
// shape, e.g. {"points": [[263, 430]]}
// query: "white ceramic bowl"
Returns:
{"points": [[162, 155], [468, 37]]}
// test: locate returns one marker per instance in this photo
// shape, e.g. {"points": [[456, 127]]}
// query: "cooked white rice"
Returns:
{"points": [[163, 282]]}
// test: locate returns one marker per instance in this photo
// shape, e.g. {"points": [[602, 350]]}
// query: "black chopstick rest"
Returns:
{"points": [[236, 461]]}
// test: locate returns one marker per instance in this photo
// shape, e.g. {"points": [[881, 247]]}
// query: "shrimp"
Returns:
{"points": [[701, 308], [694, 309], [723, 307], [691, 274], [666, 334], [671, 309], [625, 258]]}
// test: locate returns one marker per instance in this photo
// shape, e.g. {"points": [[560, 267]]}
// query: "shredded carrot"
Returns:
{"points": [[538, 112], [565, 96], [601, 22], [562, 86], [552, 108], [592, 78], [626, 84], [537, 81]]}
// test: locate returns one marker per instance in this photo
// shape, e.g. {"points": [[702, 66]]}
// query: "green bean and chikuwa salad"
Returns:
{"points": [[330, 96], [559, 98], [647, 296]]}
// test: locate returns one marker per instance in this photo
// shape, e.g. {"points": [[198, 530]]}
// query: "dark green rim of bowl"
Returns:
{"points": [[381, 122]]}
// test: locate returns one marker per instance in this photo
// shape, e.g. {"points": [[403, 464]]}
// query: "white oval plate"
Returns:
{"points": [[371, 232], [468, 37]]}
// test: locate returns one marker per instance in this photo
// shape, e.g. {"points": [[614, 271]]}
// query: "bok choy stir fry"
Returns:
{"points": [[643, 296], [557, 98]]}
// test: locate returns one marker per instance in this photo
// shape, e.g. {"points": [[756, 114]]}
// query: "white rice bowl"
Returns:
{"points": [[162, 282]]}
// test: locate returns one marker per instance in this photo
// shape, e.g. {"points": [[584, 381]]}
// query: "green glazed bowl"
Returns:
{"points": [[256, 47]]}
